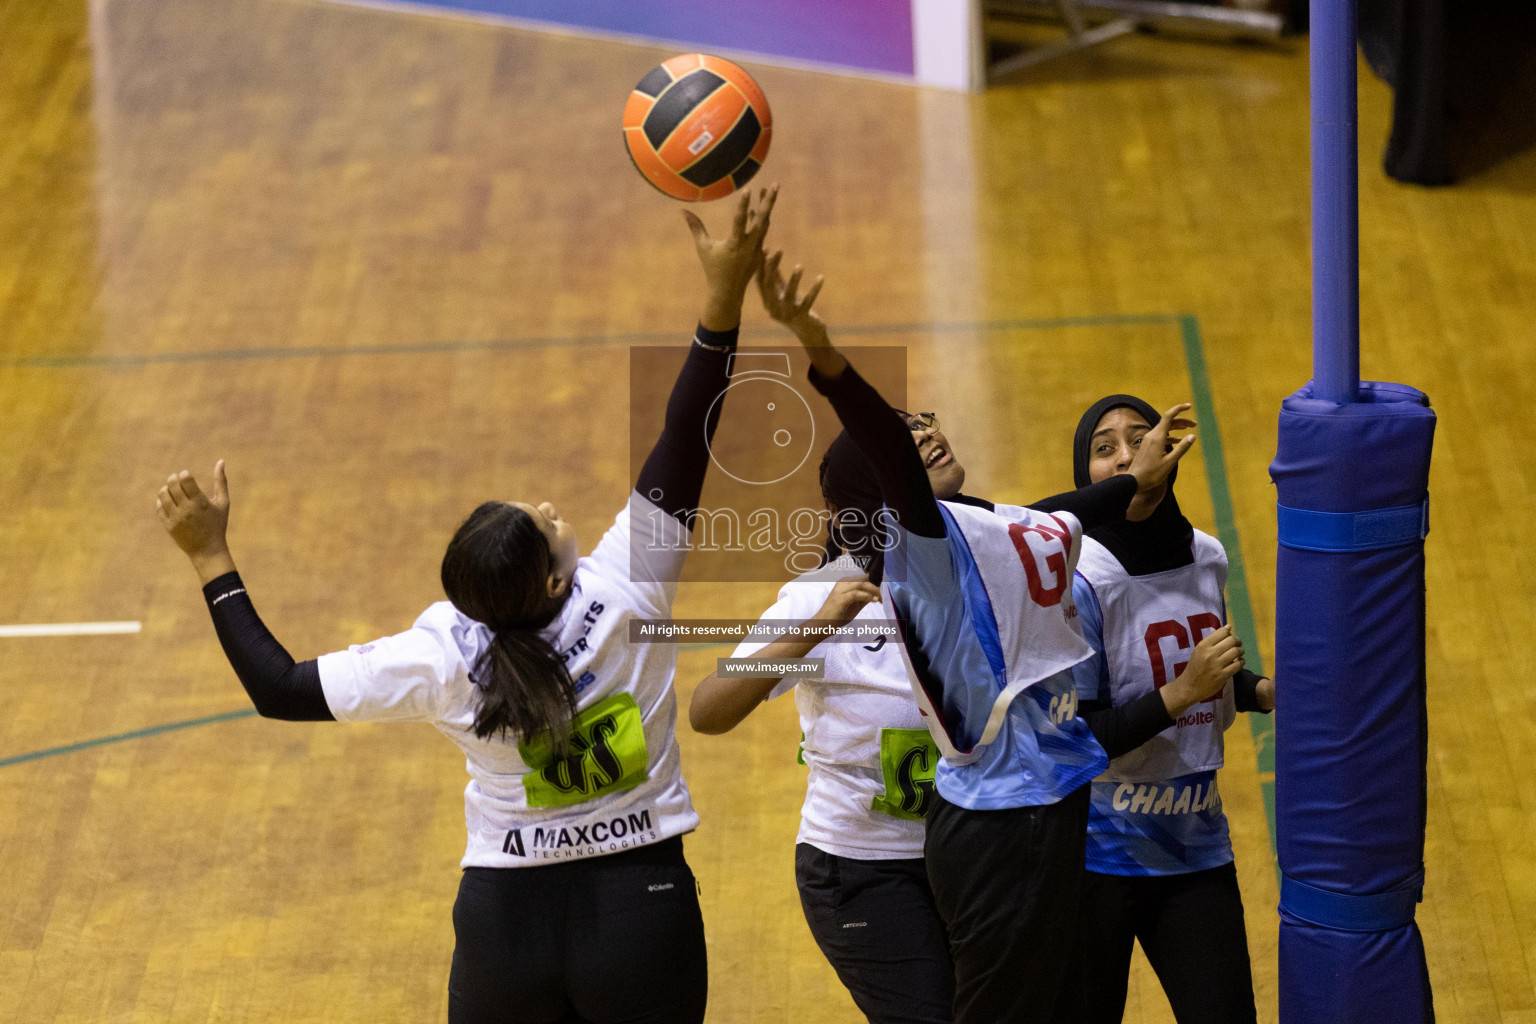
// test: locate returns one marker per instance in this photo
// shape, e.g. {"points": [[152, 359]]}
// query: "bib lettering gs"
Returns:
{"points": [[908, 760], [607, 756]]}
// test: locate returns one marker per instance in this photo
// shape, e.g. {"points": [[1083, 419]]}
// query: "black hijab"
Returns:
{"points": [[848, 482], [1162, 541]]}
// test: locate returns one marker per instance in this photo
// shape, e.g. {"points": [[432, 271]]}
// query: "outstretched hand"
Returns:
{"points": [[1159, 452], [730, 262], [784, 303], [198, 522]]}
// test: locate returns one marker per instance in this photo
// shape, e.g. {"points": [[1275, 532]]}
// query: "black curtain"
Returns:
{"points": [[1463, 74]]}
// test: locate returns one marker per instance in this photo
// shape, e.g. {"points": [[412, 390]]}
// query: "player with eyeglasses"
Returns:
{"points": [[984, 601], [870, 762]]}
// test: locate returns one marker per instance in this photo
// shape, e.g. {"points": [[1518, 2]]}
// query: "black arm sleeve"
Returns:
{"points": [[1122, 729], [1245, 687], [1095, 505], [675, 468], [887, 443], [279, 687]]}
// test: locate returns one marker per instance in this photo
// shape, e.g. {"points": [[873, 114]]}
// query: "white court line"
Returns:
{"points": [[70, 629]]}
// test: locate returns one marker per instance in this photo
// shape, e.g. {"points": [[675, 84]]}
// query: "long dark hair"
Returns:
{"points": [[494, 571]]}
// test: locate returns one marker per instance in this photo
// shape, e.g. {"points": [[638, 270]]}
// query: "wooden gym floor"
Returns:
{"points": [[390, 266]]}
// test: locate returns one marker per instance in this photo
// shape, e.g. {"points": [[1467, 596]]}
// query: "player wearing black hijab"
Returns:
{"points": [[1149, 591]]}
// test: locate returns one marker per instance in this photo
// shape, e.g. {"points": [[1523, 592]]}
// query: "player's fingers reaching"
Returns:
{"points": [[771, 285], [770, 273], [793, 287], [175, 490], [1170, 414], [769, 202], [739, 221], [696, 226], [189, 487], [766, 198], [810, 295], [772, 276], [220, 496]]}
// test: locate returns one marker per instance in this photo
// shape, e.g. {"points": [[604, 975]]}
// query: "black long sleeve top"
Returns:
{"points": [[887, 443], [675, 468]]}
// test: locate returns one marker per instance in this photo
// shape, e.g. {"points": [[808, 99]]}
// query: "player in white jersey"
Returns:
{"points": [[859, 853], [1163, 689], [576, 904], [984, 599]]}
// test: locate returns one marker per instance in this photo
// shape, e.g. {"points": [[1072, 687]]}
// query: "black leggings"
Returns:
{"points": [[876, 924], [612, 940], [1008, 885], [1191, 929]]}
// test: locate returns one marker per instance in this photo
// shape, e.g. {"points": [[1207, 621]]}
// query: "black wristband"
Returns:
{"points": [[719, 341]]}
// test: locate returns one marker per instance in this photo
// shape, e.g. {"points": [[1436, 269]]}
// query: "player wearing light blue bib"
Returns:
{"points": [[1165, 684], [984, 600]]}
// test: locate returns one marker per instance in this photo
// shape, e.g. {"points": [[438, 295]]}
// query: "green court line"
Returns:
{"points": [[1239, 605], [128, 360], [101, 741]]}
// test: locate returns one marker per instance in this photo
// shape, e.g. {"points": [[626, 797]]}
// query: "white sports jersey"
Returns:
{"points": [[862, 731], [623, 787], [1151, 624]]}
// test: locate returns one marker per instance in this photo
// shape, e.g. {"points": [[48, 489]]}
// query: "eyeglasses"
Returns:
{"points": [[921, 420]]}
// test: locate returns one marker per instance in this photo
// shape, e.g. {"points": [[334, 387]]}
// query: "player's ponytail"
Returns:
{"points": [[494, 571]]}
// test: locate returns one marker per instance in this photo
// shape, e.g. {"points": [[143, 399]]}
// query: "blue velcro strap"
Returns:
{"points": [[1378, 912], [1353, 531]]}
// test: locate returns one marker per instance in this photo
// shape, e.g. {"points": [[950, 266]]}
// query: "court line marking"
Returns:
{"points": [[1239, 605], [1240, 608], [100, 741], [69, 629], [131, 359]]}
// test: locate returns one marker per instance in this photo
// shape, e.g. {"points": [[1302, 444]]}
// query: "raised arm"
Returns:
{"points": [[1108, 501], [673, 474], [278, 686], [875, 427]]}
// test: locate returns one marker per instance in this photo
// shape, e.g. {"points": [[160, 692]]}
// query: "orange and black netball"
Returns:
{"points": [[697, 127]]}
